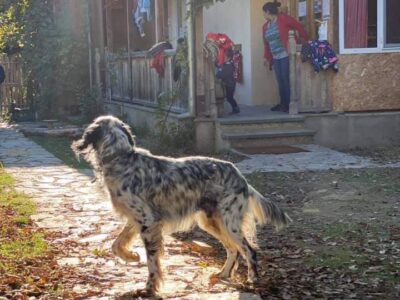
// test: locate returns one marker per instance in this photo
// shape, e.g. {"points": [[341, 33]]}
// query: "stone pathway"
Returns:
{"points": [[70, 203]]}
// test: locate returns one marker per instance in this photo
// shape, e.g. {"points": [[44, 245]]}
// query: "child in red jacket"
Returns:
{"points": [[276, 54]]}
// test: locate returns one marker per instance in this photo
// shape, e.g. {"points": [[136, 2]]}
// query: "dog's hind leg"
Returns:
{"points": [[233, 224], [214, 226], [124, 241], [153, 242]]}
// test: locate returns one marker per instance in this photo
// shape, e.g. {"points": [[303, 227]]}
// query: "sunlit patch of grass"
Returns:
{"points": [[60, 147], [28, 247], [23, 206], [16, 242], [6, 180], [100, 252]]}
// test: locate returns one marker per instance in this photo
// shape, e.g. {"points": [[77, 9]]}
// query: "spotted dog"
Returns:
{"points": [[157, 194]]}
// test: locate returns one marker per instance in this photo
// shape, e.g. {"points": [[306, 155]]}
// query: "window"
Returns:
{"points": [[369, 26], [392, 10]]}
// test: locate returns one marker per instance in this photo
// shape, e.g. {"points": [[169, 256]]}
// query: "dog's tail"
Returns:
{"points": [[266, 211]]}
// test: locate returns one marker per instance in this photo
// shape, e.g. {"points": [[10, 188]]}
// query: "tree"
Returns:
{"points": [[54, 58]]}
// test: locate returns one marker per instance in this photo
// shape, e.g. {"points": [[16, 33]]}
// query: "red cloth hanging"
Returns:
{"points": [[158, 63], [238, 63], [224, 43]]}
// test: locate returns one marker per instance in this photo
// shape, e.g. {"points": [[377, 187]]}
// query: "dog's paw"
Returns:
{"points": [[213, 280], [127, 256], [146, 293], [252, 281], [139, 294], [131, 257]]}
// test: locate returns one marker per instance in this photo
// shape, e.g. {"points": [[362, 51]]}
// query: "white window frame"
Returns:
{"points": [[382, 47]]}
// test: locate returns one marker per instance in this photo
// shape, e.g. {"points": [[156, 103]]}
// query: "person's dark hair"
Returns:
{"points": [[229, 53], [272, 7]]}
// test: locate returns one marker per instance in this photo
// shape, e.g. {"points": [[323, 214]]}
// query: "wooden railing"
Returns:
{"points": [[131, 79], [308, 89]]}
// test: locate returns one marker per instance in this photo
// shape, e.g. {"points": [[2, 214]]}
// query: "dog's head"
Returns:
{"points": [[107, 135]]}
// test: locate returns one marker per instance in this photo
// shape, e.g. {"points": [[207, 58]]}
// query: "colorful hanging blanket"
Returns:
{"points": [[320, 54]]}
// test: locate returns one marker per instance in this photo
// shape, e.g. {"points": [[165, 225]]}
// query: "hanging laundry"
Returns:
{"points": [[224, 43], [158, 61], [138, 19], [146, 9], [238, 64], [320, 54], [142, 9], [216, 45]]}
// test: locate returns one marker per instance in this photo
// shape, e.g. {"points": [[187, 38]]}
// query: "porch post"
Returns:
{"points": [[109, 32], [293, 107], [128, 33], [191, 34], [159, 9]]}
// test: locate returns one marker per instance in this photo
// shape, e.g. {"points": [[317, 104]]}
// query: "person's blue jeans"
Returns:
{"points": [[281, 67]]}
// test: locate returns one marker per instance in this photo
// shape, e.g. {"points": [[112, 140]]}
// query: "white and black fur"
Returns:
{"points": [[156, 194]]}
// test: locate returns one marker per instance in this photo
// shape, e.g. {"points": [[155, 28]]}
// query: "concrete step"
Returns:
{"points": [[269, 138], [245, 125]]}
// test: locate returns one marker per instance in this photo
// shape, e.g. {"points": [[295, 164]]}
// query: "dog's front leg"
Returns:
{"points": [[152, 239], [121, 245]]}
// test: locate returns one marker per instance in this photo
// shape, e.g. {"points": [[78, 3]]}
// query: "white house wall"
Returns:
{"points": [[265, 91], [232, 17], [242, 21]]}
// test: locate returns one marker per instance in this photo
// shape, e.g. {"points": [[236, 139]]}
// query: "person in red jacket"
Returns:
{"points": [[276, 54]]}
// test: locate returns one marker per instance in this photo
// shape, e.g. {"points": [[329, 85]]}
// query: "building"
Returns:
{"points": [[355, 107]]}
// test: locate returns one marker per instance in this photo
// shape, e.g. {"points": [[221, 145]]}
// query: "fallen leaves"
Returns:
{"points": [[28, 267]]}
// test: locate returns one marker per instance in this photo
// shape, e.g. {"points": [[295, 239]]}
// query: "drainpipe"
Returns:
{"points": [[191, 35]]}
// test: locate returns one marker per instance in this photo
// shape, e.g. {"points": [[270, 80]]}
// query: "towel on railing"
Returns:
{"points": [[216, 45], [320, 54], [223, 42], [157, 52]]}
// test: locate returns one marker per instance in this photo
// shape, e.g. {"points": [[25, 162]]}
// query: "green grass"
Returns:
{"points": [[6, 180], [60, 147], [338, 258], [17, 241], [340, 230], [19, 202], [34, 246], [375, 180]]}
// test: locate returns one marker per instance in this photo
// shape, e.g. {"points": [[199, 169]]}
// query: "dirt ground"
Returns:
{"points": [[344, 242]]}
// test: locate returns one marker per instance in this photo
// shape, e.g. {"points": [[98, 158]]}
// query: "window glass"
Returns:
{"points": [[392, 22]]}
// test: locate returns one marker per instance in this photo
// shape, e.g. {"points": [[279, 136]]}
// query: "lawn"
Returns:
{"points": [[60, 147]]}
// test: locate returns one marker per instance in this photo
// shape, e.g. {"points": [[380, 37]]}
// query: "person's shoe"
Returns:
{"points": [[285, 109], [277, 107], [235, 111]]}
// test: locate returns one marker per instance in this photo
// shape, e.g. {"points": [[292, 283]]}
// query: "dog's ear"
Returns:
{"points": [[131, 138], [90, 137]]}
